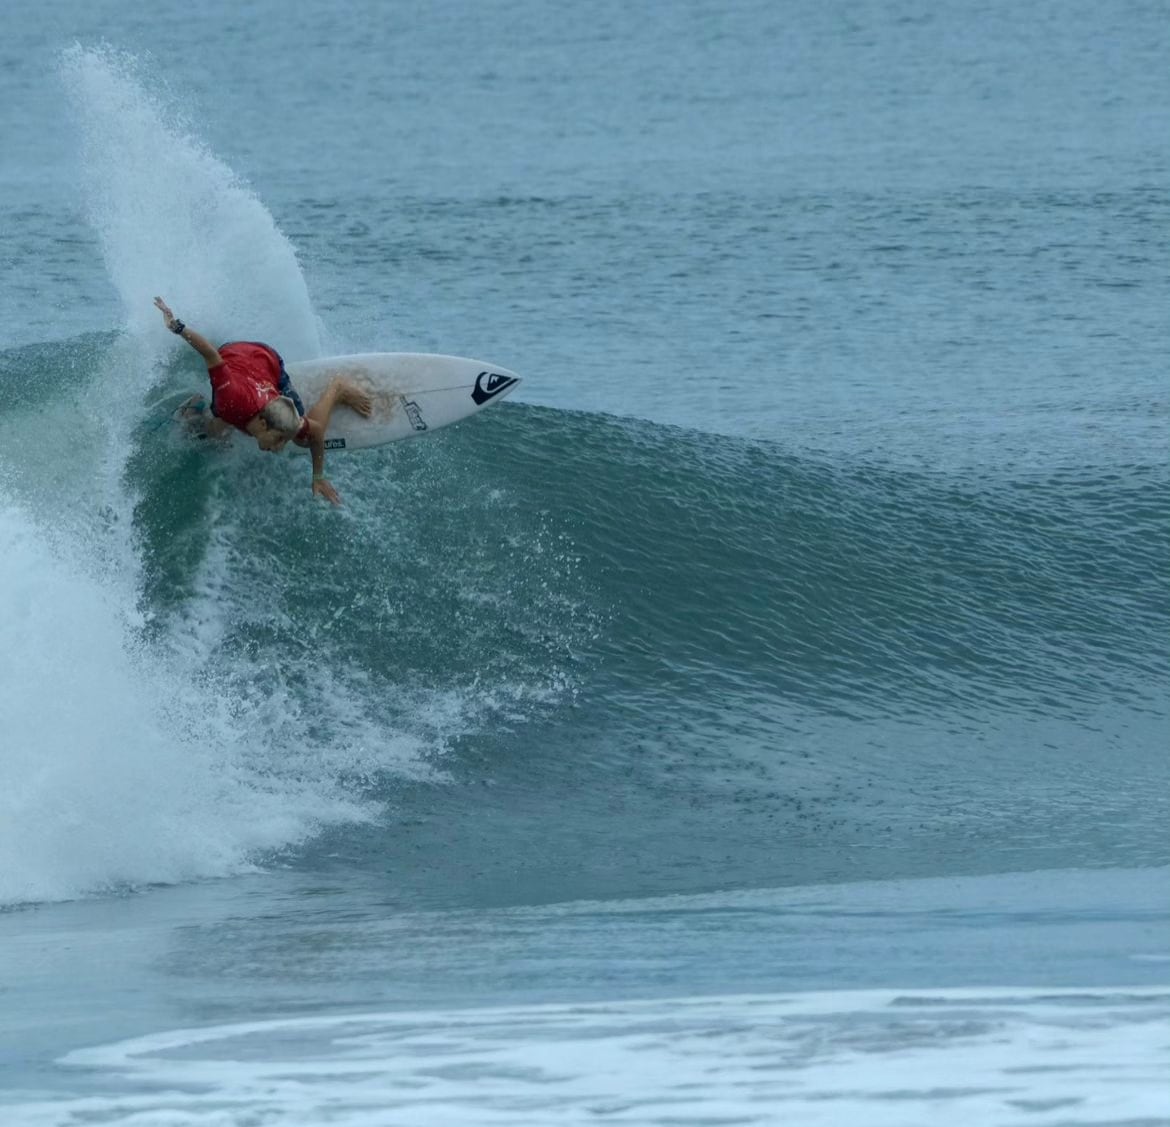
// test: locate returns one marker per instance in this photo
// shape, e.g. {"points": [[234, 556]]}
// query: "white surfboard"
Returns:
{"points": [[414, 393]]}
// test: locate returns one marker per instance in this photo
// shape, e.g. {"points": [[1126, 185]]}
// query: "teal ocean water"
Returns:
{"points": [[761, 717]]}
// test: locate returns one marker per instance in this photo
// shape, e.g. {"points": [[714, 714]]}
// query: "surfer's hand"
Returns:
{"points": [[165, 310], [322, 487]]}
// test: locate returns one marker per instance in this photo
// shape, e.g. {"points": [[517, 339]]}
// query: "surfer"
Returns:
{"points": [[251, 391]]}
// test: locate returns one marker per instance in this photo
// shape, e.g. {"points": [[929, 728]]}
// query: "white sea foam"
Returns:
{"points": [[112, 769], [172, 218], [883, 1058]]}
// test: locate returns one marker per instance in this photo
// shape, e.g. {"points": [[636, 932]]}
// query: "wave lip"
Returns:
{"points": [[185, 224]]}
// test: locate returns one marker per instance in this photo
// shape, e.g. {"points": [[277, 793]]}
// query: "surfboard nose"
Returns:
{"points": [[490, 384]]}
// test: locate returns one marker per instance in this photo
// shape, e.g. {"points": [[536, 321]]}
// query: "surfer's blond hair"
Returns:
{"points": [[282, 415]]}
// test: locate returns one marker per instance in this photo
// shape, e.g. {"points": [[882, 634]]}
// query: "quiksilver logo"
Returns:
{"points": [[335, 444], [489, 384]]}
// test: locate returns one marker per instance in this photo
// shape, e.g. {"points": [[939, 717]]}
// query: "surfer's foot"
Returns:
{"points": [[191, 408], [194, 416], [352, 396]]}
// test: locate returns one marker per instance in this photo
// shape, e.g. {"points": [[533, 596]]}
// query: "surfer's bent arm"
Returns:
{"points": [[318, 420], [197, 341], [314, 439], [340, 391]]}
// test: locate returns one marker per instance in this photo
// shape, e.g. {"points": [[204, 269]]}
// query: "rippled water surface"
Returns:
{"points": [[798, 626]]}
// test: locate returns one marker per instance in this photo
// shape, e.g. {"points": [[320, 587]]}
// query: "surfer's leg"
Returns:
{"points": [[286, 388], [193, 414], [198, 418]]}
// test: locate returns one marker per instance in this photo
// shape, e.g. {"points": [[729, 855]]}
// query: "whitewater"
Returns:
{"points": [[762, 719]]}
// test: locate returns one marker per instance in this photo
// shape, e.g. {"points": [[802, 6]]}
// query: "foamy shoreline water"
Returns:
{"points": [[279, 998], [896, 1058]]}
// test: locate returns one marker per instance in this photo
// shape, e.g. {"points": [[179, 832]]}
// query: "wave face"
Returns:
{"points": [[632, 633], [547, 651]]}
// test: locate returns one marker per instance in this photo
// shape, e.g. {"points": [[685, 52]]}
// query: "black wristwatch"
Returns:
{"points": [[178, 327]]}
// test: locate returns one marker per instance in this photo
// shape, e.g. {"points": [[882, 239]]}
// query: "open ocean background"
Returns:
{"points": [[760, 718]]}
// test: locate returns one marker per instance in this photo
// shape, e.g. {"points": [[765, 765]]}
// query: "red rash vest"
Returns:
{"points": [[246, 381]]}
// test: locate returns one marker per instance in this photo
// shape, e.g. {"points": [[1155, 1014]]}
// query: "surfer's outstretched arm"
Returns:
{"points": [[197, 341]]}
